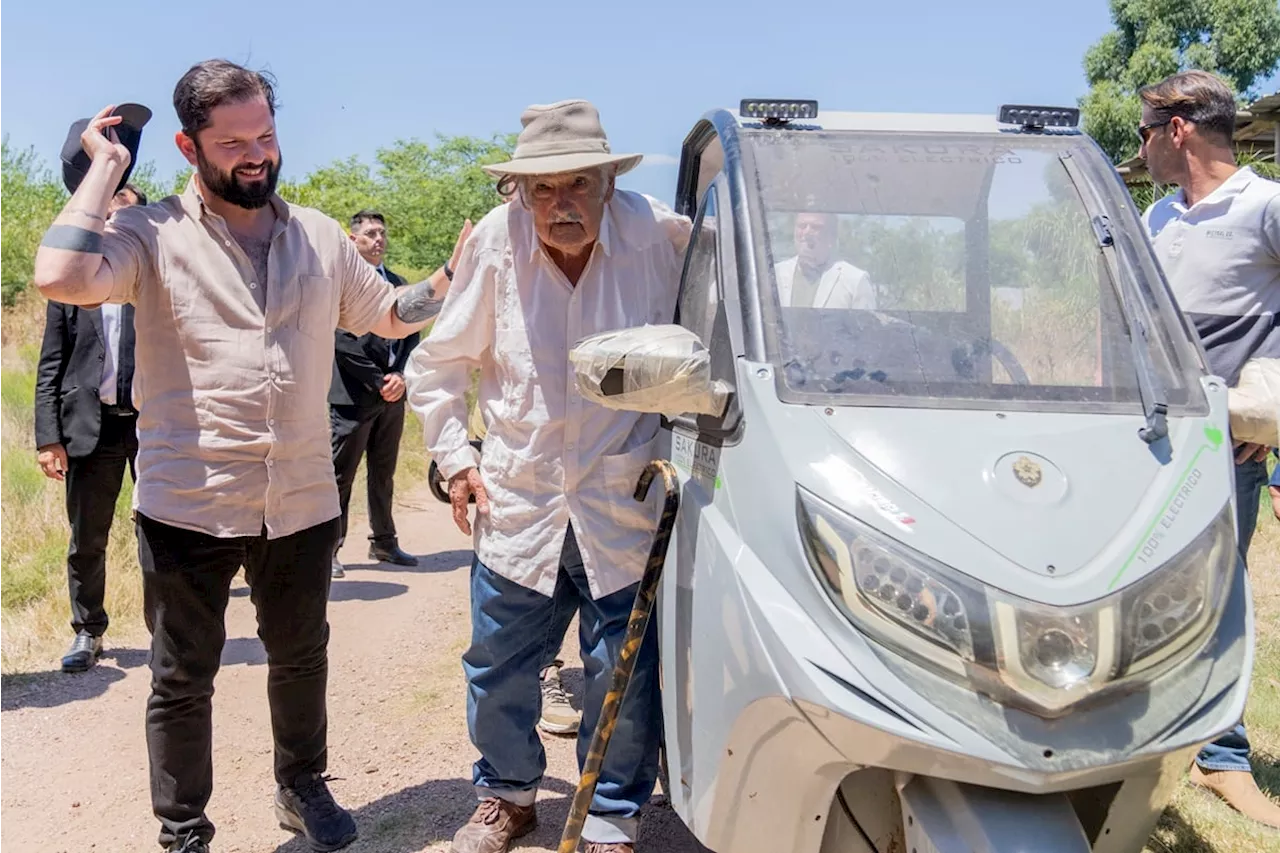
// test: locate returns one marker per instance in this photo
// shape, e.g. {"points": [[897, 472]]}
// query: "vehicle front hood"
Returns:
{"points": [[1051, 493]]}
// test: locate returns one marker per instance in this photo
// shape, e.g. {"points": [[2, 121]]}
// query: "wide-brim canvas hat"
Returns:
{"points": [[562, 137], [75, 162]]}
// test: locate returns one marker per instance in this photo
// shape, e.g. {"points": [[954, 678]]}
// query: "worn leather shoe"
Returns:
{"points": [[1238, 789], [83, 654], [336, 569], [309, 810], [495, 824], [393, 554]]}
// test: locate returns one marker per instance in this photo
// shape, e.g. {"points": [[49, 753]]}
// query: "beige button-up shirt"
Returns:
{"points": [[233, 425], [550, 457]]}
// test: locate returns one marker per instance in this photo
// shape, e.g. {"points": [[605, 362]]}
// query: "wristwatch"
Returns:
{"points": [[448, 273]]}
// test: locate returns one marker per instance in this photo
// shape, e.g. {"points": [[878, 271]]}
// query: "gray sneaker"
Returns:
{"points": [[558, 714], [335, 568]]}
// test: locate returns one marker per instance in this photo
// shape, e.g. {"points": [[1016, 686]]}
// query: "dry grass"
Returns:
{"points": [[34, 611], [1196, 822]]}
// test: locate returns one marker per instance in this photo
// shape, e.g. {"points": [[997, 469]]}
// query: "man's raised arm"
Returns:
{"points": [[418, 304], [69, 264]]}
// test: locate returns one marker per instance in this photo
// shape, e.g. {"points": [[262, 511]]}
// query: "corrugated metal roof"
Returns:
{"points": [[1268, 104], [1258, 129]]}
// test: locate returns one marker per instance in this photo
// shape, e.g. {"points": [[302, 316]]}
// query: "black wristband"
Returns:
{"points": [[448, 273]]}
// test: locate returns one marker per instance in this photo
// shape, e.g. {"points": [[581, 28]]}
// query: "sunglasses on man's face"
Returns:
{"points": [[1144, 130]]}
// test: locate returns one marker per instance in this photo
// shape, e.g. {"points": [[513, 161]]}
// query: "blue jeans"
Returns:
{"points": [[514, 633], [1231, 751], [565, 607]]}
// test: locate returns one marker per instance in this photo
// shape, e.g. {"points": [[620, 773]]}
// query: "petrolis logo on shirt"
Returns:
{"points": [[1219, 233]]}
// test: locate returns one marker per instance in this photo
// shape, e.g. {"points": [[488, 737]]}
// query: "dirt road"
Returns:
{"points": [[74, 758]]}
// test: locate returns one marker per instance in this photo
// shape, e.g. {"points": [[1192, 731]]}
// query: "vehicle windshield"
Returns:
{"points": [[915, 269]]}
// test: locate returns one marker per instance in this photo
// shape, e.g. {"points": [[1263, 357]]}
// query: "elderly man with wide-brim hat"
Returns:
{"points": [[556, 523]]}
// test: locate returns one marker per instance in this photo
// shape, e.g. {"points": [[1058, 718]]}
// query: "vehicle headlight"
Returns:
{"points": [[1042, 657]]}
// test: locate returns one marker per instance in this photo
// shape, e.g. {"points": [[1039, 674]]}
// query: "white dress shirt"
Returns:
{"points": [[842, 286], [111, 320], [394, 347], [550, 457]]}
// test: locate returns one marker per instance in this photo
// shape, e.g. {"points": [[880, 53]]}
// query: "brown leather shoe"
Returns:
{"points": [[1238, 789], [600, 847], [494, 825]]}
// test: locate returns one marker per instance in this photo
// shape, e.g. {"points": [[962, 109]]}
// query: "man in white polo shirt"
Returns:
{"points": [[1218, 241]]}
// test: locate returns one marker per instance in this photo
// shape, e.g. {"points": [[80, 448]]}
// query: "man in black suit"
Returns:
{"points": [[366, 408], [86, 435]]}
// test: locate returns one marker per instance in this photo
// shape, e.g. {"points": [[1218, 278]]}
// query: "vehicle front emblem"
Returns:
{"points": [[1027, 472]]}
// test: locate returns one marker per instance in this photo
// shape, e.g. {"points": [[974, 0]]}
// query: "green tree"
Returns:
{"points": [[1237, 39], [146, 178], [424, 190], [30, 197]]}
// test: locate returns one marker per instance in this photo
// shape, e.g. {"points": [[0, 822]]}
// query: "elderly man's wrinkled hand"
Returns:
{"points": [[462, 486]]}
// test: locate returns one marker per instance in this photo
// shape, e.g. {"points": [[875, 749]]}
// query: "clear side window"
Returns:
{"points": [[701, 307], [699, 294]]}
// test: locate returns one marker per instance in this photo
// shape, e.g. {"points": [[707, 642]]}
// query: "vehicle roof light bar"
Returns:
{"points": [[777, 111], [1038, 118]]}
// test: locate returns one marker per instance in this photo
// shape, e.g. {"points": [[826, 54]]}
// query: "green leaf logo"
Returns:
{"points": [[1214, 435]]}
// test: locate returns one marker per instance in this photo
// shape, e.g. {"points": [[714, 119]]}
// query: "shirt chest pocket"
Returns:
{"points": [[315, 313]]}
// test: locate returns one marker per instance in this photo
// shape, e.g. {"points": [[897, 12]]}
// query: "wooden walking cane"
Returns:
{"points": [[637, 625]]}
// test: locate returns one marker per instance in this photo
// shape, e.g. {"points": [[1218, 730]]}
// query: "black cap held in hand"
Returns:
{"points": [[75, 162]]}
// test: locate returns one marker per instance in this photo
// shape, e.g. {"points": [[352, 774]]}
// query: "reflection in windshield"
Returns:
{"points": [[956, 267], [815, 277]]}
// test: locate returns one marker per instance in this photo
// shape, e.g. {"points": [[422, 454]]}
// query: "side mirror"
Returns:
{"points": [[664, 369]]}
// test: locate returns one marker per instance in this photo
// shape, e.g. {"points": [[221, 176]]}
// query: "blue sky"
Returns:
{"points": [[356, 76]]}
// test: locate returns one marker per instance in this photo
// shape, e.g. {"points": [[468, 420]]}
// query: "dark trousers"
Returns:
{"points": [[186, 583], [93, 485], [376, 435]]}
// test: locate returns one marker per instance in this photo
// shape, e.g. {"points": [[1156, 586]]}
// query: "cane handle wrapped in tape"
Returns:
{"points": [[1254, 403], [663, 369]]}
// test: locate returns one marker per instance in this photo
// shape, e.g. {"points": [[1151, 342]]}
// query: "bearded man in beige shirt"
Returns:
{"points": [[237, 294]]}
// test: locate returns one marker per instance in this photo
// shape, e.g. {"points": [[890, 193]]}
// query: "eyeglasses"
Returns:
{"points": [[1144, 130]]}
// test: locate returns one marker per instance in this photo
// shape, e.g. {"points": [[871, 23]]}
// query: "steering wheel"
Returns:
{"points": [[1009, 362], [965, 357]]}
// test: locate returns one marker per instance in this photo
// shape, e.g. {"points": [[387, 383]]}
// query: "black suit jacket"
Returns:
{"points": [[68, 408], [360, 363]]}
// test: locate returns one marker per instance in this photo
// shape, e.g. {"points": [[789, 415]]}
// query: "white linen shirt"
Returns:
{"points": [[550, 457]]}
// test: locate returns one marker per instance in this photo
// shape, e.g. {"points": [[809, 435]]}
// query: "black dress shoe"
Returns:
{"points": [[190, 844], [83, 654], [392, 554]]}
